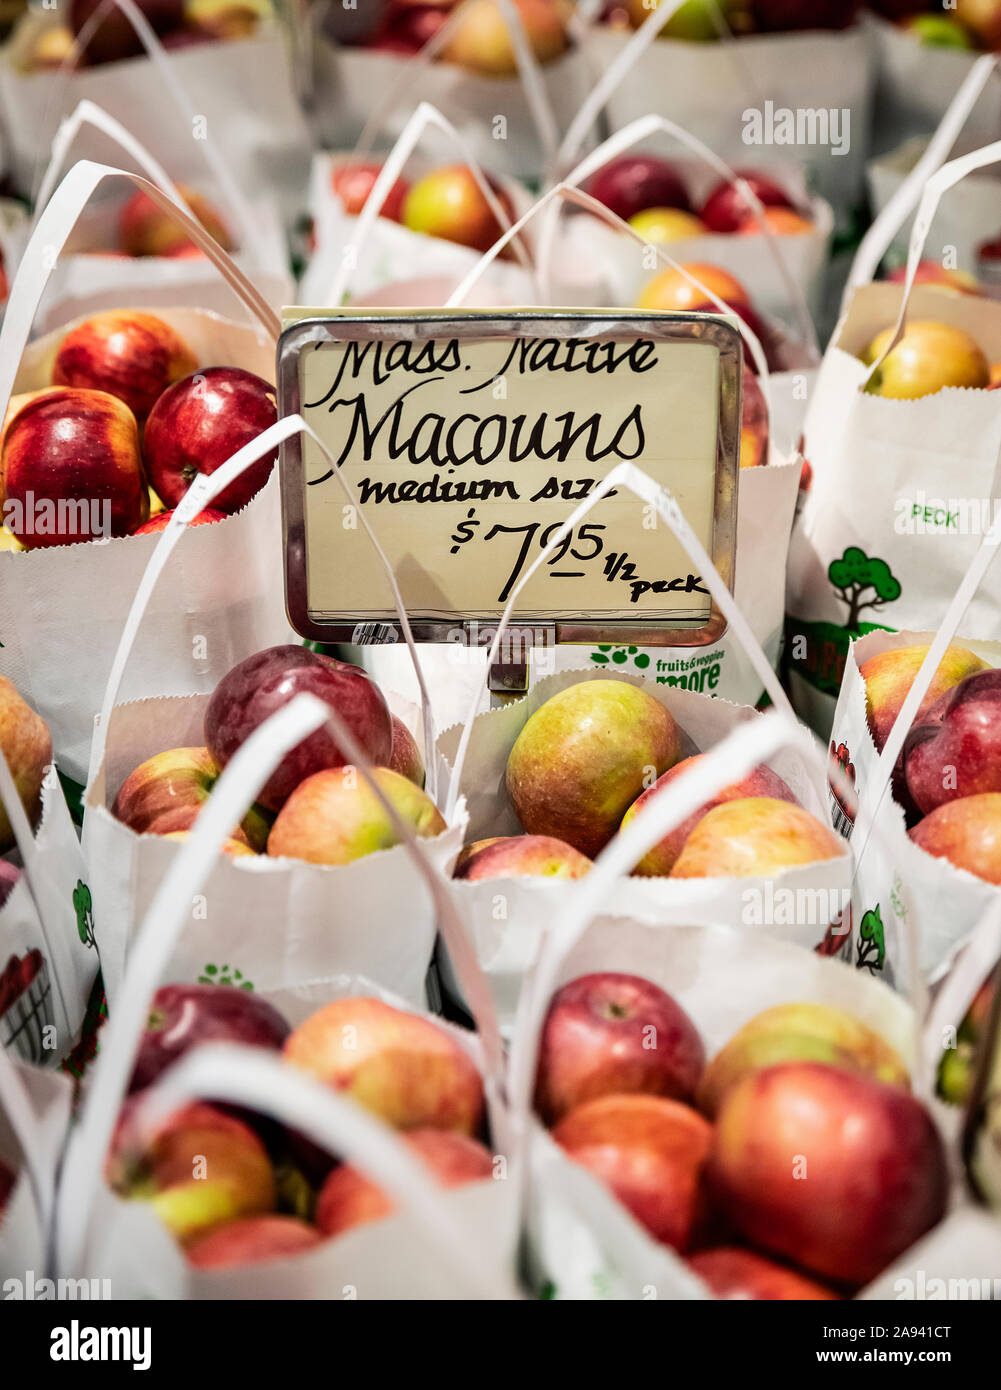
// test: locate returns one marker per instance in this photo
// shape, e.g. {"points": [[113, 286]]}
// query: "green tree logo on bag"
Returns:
{"points": [[854, 575], [871, 945], [84, 907]]}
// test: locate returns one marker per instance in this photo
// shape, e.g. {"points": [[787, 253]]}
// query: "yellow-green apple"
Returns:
{"points": [[935, 273], [251, 1241], [27, 745], [167, 792], [672, 291], [71, 469], [957, 1069], [448, 203], [779, 221], [524, 856], [348, 1198], [202, 1169], [806, 1032], [162, 519], [694, 20], [777, 16], [656, 225], [609, 1034], [651, 1153], [955, 751], [753, 423], [474, 847], [51, 49], [583, 758], [129, 354], [482, 43], [661, 859], [410, 1072], [982, 18], [830, 1169], [726, 209], [182, 1016], [634, 182], [352, 183], [929, 357], [406, 756], [754, 837], [200, 422], [232, 849], [144, 229], [889, 676], [264, 683], [967, 832], [733, 1273], [335, 817], [114, 37], [225, 19], [8, 541]]}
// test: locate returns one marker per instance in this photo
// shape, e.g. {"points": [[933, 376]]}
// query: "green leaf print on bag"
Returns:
{"points": [[620, 656], [854, 574], [871, 944], [84, 907], [223, 975]]}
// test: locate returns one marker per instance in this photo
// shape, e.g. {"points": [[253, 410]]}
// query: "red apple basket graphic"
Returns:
{"points": [[26, 1005], [842, 811]]}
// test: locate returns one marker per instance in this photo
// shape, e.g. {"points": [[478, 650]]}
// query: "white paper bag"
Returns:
{"points": [[65, 605], [34, 1120]]}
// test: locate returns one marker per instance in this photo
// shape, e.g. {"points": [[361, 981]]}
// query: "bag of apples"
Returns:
{"points": [[378, 238], [323, 1071], [797, 75], [903, 435], [510, 74], [72, 559], [35, 1109], [313, 879], [916, 726], [728, 1115], [125, 250], [544, 795], [179, 73], [766, 504]]}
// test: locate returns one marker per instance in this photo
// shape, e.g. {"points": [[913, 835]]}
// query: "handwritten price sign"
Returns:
{"points": [[468, 440]]}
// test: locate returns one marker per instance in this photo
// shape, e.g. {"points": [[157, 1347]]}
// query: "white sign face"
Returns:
{"points": [[467, 451]]}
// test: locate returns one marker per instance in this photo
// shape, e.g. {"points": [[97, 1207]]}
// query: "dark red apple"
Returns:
{"points": [[7, 1179], [354, 182], [114, 38], [263, 684], [608, 1034], [161, 521], [198, 423], [253, 1240], [956, 752], [778, 16], [726, 209], [408, 28], [634, 182], [182, 1016], [732, 1273]]}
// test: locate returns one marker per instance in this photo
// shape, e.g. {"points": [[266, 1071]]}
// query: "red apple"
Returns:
{"points": [[474, 847], [889, 675], [661, 859], [409, 27], [634, 182], [71, 469], [10, 875], [253, 1240], [182, 1016], [7, 1180], [481, 43], [524, 856], [831, 1170], [162, 519], [27, 745], [732, 1273], [202, 1169], [144, 229], [129, 354], [352, 183], [609, 1034], [406, 756], [967, 832], [779, 221], [114, 38], [266, 682], [334, 816], [200, 422], [448, 203], [935, 273], [348, 1198], [753, 422], [726, 209], [956, 751], [651, 1153], [777, 16], [755, 837], [167, 792], [407, 1070], [583, 758]]}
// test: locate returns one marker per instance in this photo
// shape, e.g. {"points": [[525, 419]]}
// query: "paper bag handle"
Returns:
{"points": [[239, 206], [426, 115], [49, 237], [876, 242], [258, 1080], [627, 475]]}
